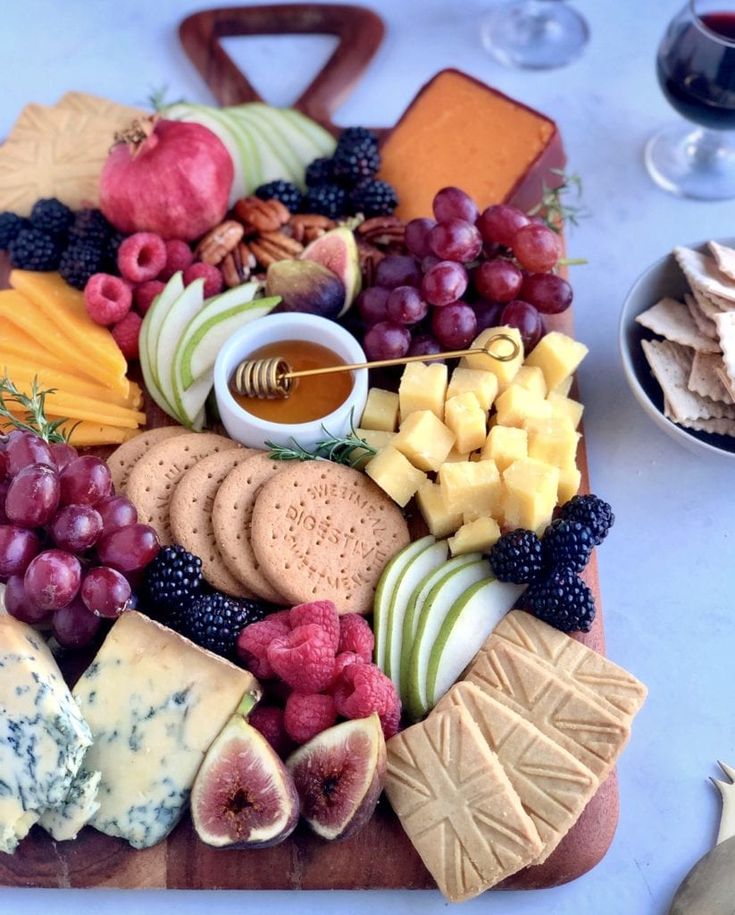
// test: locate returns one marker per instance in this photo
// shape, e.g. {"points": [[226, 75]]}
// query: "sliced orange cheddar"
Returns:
{"points": [[86, 435], [22, 372], [74, 406]]}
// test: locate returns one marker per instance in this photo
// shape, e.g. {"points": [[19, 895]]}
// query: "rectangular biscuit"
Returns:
{"points": [[673, 320], [457, 805]]}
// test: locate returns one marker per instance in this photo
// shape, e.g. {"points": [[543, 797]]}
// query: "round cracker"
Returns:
{"points": [[154, 477], [231, 517], [123, 459], [191, 516], [325, 532]]}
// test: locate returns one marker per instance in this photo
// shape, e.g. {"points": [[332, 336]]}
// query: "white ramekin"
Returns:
{"points": [[255, 432]]}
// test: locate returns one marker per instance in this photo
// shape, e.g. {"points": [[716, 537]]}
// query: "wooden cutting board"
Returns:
{"points": [[381, 856]]}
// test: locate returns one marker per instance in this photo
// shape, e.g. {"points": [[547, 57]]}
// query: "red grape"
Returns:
{"points": [[130, 548], [536, 247], [431, 260], [33, 495], [116, 512], [417, 236], [62, 454], [454, 326], [4, 487], [498, 280], [454, 203], [526, 318], [455, 240], [387, 341], [371, 304], [74, 626], [405, 305], [551, 294], [424, 345], [397, 270], [18, 605], [3, 464], [85, 480], [52, 579], [443, 283], [26, 448], [105, 592], [487, 314], [76, 528], [499, 223], [18, 546]]}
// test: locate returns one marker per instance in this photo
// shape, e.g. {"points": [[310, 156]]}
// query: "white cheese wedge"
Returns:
{"points": [[154, 702], [43, 737]]}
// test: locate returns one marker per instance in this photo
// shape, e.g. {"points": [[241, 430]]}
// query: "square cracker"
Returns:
{"points": [[702, 273], [715, 426], [457, 805], [726, 332], [704, 323], [724, 258], [672, 320], [706, 305], [554, 788], [705, 380]]}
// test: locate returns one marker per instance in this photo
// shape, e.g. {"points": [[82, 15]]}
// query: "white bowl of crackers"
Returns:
{"points": [[677, 342]]}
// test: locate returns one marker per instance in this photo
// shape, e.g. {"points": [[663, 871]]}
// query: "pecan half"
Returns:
{"points": [[305, 227], [219, 241], [270, 247], [258, 215], [383, 230], [238, 265]]}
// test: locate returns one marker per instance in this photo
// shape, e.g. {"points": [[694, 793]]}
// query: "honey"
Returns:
{"points": [[311, 398]]}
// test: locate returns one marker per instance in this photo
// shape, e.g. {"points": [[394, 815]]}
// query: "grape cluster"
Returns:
{"points": [[463, 271], [68, 545]]}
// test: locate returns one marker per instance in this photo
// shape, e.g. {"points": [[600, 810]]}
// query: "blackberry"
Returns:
{"points": [[517, 557], [327, 200], [320, 171], [32, 249], [10, 226], [172, 581], [90, 225], [562, 600], [567, 543], [373, 198], [80, 261], [356, 156], [110, 252], [214, 620], [285, 191], [358, 137], [591, 511], [51, 216]]}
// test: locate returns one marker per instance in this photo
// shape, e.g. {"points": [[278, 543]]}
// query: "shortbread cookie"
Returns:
{"points": [[123, 459]]}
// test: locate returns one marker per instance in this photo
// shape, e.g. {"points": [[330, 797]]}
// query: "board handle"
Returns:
{"points": [[359, 30]]}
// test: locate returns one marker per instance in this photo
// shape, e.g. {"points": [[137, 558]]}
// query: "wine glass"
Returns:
{"points": [[696, 70], [535, 34]]}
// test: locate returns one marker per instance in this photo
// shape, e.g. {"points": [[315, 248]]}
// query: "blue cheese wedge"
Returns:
{"points": [[154, 702], [63, 823], [43, 737]]}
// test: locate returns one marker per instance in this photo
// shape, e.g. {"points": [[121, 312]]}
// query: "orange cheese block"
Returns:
{"points": [[75, 406], [84, 434], [458, 131], [22, 372]]}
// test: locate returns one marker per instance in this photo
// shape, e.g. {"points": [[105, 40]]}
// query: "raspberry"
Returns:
{"points": [[213, 281], [107, 298], [355, 635], [146, 293], [141, 257], [344, 659], [363, 689], [283, 617], [307, 715], [127, 333], [304, 658], [269, 721], [253, 642], [321, 613], [178, 257]]}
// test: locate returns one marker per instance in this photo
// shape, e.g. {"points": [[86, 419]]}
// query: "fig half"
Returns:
{"points": [[243, 797], [339, 777]]}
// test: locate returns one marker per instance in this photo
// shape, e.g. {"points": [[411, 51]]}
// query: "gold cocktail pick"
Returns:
{"points": [[273, 377]]}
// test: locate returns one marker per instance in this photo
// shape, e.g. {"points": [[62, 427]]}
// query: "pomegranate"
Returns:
{"points": [[168, 177]]}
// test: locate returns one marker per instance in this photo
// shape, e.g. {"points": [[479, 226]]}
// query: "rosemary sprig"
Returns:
{"points": [[553, 209], [157, 99], [349, 450], [34, 407]]}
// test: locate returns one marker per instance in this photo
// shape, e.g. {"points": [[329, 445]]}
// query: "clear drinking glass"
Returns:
{"points": [[535, 34], [696, 71]]}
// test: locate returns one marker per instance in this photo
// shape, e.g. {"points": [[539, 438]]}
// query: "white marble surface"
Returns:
{"points": [[667, 570]]}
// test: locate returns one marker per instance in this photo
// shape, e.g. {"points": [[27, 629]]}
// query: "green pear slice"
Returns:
{"points": [[181, 312], [277, 162], [471, 619], [434, 556], [384, 592], [322, 142], [278, 133], [437, 605], [149, 333]]}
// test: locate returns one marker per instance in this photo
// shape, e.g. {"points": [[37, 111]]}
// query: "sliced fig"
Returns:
{"points": [[337, 251], [307, 287], [243, 796], [339, 776]]}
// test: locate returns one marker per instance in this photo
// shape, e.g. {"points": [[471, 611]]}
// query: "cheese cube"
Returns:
{"points": [[424, 440], [473, 487], [475, 537], [552, 440], [570, 479], [484, 385], [558, 356], [565, 387], [423, 387], [456, 457], [433, 507], [504, 445], [504, 371], [532, 379], [565, 406], [530, 494], [381, 411], [373, 437], [467, 420], [395, 475], [516, 405]]}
